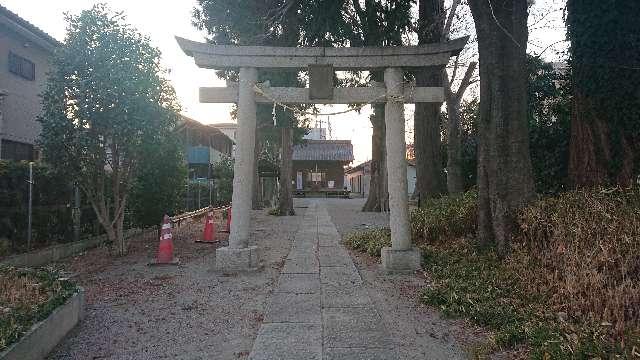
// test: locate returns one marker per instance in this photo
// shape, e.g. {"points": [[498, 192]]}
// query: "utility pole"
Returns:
{"points": [[190, 184], [3, 94], [76, 215], [210, 182], [196, 192], [199, 190], [30, 205]]}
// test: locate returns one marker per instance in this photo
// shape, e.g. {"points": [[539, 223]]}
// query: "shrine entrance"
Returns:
{"points": [[321, 64]]}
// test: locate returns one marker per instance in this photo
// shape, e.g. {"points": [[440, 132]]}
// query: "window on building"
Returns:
{"points": [[16, 151], [22, 67]]}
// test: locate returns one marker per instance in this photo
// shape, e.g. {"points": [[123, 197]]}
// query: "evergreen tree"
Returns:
{"points": [[105, 100]]}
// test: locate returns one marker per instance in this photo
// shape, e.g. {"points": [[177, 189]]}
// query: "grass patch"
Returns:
{"points": [[26, 297], [471, 282], [370, 241]]}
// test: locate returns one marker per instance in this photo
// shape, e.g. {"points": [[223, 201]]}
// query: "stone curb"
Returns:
{"points": [[45, 335], [54, 253]]}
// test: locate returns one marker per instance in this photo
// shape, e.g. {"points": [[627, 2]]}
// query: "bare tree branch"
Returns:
{"points": [[466, 80], [447, 25], [455, 69]]}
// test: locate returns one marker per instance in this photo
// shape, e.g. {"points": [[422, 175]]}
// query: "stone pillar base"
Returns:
{"points": [[237, 260], [401, 261]]}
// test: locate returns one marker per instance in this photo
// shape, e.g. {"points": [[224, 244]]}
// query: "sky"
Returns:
{"points": [[162, 20]]}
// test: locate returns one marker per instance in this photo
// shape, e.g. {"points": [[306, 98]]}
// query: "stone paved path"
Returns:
{"points": [[320, 308]]}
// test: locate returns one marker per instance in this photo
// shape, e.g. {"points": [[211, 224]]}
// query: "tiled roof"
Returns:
{"points": [[192, 124], [319, 150], [224, 125], [358, 167], [36, 31]]}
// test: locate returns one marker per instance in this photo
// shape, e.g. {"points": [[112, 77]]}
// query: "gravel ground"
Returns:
{"points": [[187, 312], [419, 331], [192, 312]]}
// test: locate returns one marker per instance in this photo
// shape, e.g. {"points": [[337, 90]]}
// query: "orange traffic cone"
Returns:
{"points": [[209, 234], [165, 249]]}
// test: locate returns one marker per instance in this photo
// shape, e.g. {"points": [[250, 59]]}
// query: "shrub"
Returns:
{"points": [[370, 241], [26, 297], [472, 282], [570, 289], [587, 246], [52, 192], [439, 219], [160, 181], [223, 174], [445, 218]]}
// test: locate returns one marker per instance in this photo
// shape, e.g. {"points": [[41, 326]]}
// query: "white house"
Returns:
{"points": [[359, 177]]}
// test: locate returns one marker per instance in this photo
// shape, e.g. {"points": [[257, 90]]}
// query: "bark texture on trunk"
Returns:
{"points": [[285, 200], [378, 199], [430, 177], [505, 181], [455, 180], [604, 146], [591, 152], [113, 227]]}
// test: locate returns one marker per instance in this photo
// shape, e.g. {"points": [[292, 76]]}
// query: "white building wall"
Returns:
{"points": [[411, 178], [316, 134], [231, 130]]}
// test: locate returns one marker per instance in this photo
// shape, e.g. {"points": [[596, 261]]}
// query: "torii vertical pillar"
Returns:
{"points": [[239, 256], [401, 257]]}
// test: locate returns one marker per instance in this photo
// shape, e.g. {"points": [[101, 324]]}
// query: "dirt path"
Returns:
{"points": [[188, 312], [192, 312]]}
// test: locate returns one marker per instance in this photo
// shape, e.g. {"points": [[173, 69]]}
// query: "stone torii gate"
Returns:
{"points": [[321, 62]]}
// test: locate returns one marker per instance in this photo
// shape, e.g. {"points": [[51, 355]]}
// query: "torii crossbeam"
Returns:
{"points": [[401, 256]]}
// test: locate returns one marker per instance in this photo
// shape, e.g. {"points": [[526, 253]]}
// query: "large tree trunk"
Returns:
{"points": [[591, 151], [505, 181], [603, 147], [113, 228], [285, 201], [378, 198], [430, 177], [455, 180]]}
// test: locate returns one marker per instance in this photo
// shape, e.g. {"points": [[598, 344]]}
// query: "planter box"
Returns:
{"points": [[45, 335]]}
